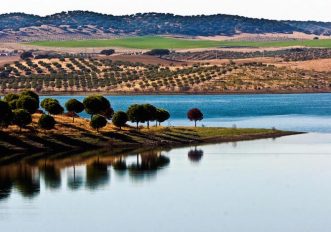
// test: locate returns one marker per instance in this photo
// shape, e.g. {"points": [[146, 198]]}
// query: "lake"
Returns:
{"points": [[298, 112], [272, 185]]}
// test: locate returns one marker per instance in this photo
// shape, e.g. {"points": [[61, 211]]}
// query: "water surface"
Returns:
{"points": [[264, 185], [298, 112]]}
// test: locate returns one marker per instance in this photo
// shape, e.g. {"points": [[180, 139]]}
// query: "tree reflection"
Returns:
{"points": [[97, 175], [26, 182], [75, 180], [195, 155], [52, 176], [6, 185]]}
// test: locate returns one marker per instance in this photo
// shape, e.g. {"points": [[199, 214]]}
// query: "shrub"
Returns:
{"points": [[120, 119], [21, 118], [46, 122], [98, 122]]}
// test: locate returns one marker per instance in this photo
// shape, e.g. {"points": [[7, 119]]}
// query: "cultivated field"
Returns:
{"points": [[80, 75], [151, 42]]}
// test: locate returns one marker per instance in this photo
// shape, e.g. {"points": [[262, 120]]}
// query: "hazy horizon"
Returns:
{"points": [[317, 10]]}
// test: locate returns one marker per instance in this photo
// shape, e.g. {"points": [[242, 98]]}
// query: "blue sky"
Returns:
{"points": [[272, 9]]}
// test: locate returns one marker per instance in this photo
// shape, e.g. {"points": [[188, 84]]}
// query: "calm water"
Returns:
{"points": [[299, 112], [263, 185], [269, 185]]}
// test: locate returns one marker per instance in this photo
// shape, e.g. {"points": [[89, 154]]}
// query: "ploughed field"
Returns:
{"points": [[104, 75], [153, 42]]}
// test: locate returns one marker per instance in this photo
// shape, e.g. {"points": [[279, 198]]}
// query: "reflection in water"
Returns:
{"points": [[97, 175], [195, 155], [26, 177], [52, 176], [145, 166], [75, 180], [23, 178]]}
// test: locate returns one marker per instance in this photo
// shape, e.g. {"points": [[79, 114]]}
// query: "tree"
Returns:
{"points": [[96, 104], [27, 103], [52, 106], [21, 118], [26, 55], [98, 122], [31, 94], [158, 52], [11, 96], [194, 115], [11, 99], [46, 122], [107, 52], [162, 115], [5, 114], [136, 114], [149, 113], [120, 119], [74, 106]]}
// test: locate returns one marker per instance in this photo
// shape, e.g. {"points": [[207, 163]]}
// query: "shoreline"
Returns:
{"points": [[76, 137], [124, 93]]}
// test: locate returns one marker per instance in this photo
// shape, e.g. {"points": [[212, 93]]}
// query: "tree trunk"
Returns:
{"points": [[137, 125], [147, 124], [195, 123], [73, 119]]}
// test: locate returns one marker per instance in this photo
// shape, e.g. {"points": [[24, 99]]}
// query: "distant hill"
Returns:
{"points": [[83, 24]]}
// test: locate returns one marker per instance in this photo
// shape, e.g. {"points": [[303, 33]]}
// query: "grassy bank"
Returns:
{"points": [[77, 136], [152, 42]]}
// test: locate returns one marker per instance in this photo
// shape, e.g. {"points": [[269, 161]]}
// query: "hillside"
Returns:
{"points": [[80, 75], [83, 25]]}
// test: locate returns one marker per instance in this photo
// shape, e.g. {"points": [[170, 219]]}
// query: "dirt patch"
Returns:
{"points": [[321, 65], [8, 60]]}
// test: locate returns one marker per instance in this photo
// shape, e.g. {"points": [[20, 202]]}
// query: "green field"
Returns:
{"points": [[151, 42]]}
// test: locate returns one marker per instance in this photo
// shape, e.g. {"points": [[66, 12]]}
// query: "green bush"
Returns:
{"points": [[21, 118], [120, 119], [98, 122], [46, 122]]}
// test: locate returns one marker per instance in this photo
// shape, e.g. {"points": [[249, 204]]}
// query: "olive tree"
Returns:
{"points": [[74, 106]]}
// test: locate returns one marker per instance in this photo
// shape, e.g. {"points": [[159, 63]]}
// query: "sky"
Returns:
{"points": [[270, 9]]}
